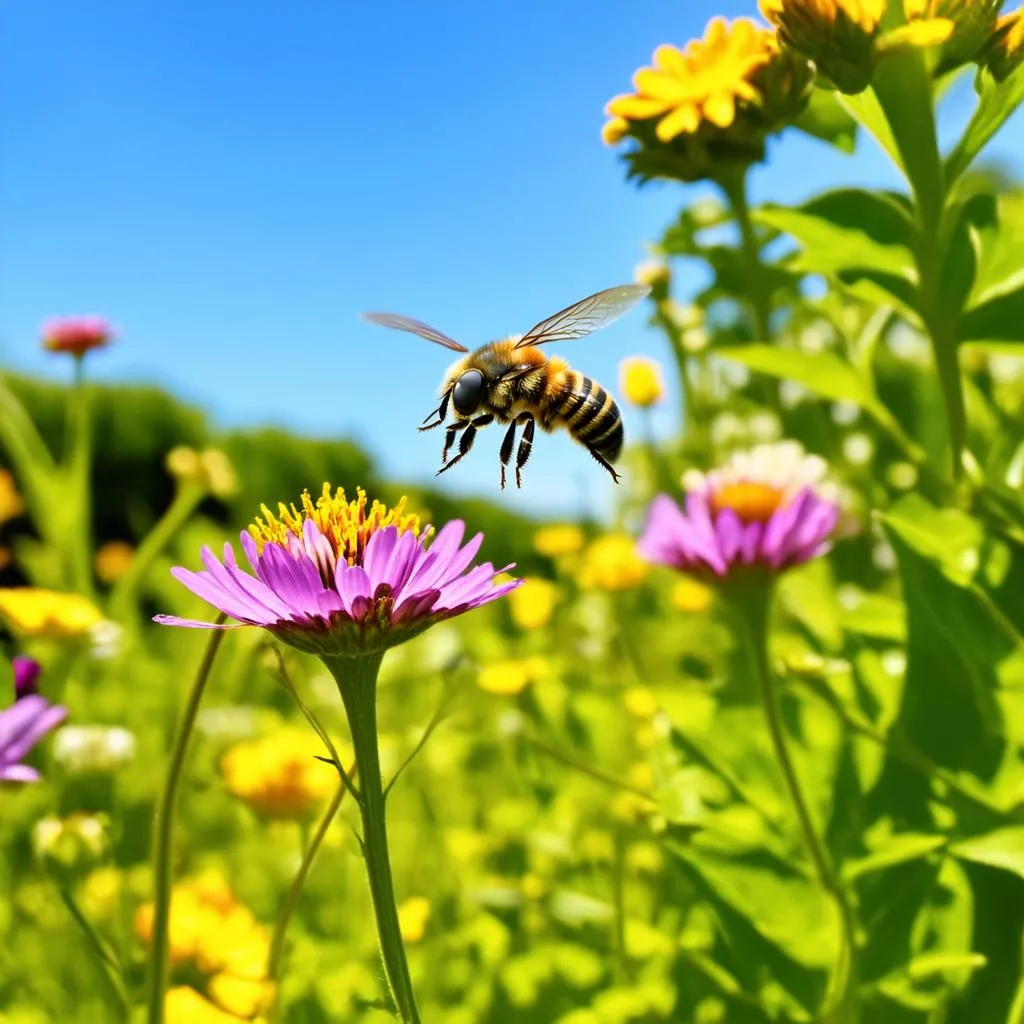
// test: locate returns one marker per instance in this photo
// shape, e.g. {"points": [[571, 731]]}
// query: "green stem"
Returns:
{"points": [[753, 612], [110, 966], [1016, 1015], [78, 452], [181, 508], [357, 680], [693, 425], [163, 833], [585, 769], [292, 899]]}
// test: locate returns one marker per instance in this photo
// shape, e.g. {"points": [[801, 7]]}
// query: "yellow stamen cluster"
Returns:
{"points": [[752, 501], [347, 524]]}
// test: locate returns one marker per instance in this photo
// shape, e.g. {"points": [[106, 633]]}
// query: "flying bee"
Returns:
{"points": [[512, 382]]}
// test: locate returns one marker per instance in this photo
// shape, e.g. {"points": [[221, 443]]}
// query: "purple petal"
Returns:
{"points": [[435, 562], [295, 582], [18, 773], [729, 531], [205, 587], [750, 542], [353, 585], [404, 561], [704, 540], [416, 606], [377, 557], [777, 530], [174, 620], [25, 724]]}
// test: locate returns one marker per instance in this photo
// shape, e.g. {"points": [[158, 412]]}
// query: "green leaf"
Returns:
{"points": [[999, 320], [865, 109], [997, 102], [875, 615], [1002, 848], [827, 119], [998, 226], [847, 229], [901, 848], [962, 255]]}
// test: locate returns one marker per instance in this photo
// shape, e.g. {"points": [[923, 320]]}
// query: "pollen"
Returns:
{"points": [[347, 524], [752, 501]]}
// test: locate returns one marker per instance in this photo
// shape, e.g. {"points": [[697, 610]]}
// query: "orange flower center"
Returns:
{"points": [[753, 502]]}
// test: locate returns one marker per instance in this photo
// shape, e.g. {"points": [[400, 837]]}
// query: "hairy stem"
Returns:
{"points": [[357, 680]]}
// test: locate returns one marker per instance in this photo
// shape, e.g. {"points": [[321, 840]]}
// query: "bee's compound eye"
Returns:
{"points": [[468, 392]]}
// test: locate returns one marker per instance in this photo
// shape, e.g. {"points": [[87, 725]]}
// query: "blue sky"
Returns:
{"points": [[233, 183]]}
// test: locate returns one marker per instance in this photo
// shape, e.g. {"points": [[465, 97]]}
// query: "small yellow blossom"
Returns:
{"points": [[612, 562], [413, 917], [278, 776], [1005, 51], [48, 613], [511, 677], [184, 1005], [631, 807], [11, 503], [690, 596], [533, 886], [640, 701], [532, 604], [558, 540], [113, 560], [701, 83], [211, 469], [655, 274], [640, 381], [641, 775], [242, 997]]}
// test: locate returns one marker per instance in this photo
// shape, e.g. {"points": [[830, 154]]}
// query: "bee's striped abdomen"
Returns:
{"points": [[590, 414]]}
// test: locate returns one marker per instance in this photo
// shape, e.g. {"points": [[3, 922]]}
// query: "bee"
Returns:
{"points": [[512, 382]]}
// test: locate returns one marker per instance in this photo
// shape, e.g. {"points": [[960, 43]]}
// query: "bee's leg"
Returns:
{"points": [[525, 447], [506, 449], [468, 437], [449, 437], [604, 462], [440, 412]]}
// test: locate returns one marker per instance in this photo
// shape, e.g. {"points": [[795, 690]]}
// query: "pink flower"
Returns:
{"points": [[76, 334]]}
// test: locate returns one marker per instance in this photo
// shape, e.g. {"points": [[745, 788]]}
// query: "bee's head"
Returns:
{"points": [[468, 392]]}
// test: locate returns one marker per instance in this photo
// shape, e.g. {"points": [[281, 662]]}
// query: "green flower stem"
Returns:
{"points": [[605, 778], [111, 969], [78, 453], [185, 502], [752, 608], [693, 415], [292, 899], [1016, 1015], [357, 680], [163, 833]]}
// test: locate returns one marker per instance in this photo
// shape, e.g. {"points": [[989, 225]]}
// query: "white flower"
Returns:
{"points": [[784, 466], [844, 413], [858, 449], [105, 640], [99, 749]]}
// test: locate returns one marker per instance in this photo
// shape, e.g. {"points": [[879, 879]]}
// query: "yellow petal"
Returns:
{"points": [[931, 32], [658, 85], [614, 131], [635, 108], [683, 119], [670, 59], [720, 109]]}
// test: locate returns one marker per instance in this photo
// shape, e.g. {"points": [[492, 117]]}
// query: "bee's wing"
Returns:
{"points": [[587, 315], [405, 323]]}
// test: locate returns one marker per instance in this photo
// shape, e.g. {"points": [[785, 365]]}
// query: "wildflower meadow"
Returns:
{"points": [[284, 741]]}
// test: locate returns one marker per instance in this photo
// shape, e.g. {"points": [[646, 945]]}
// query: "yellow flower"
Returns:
{"points": [[1005, 51], [842, 37], [612, 562], [701, 83], [655, 274], [113, 560], [278, 776], [508, 678], [413, 916], [614, 130], [532, 604], [640, 381], [48, 613], [242, 997], [690, 596], [971, 25], [11, 504], [641, 702], [558, 540], [184, 1005], [211, 469]]}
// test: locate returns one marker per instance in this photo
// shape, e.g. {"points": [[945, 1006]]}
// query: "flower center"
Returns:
{"points": [[753, 502], [346, 525]]}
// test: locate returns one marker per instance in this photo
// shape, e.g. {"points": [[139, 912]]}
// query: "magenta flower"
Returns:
{"points": [[26, 676], [22, 726], [337, 578], [76, 334], [767, 508]]}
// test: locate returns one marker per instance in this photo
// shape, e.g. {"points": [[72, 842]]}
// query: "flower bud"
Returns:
{"points": [[973, 24], [656, 275], [26, 676]]}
